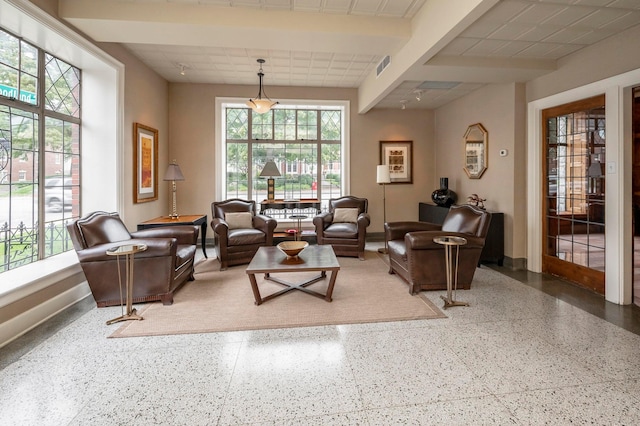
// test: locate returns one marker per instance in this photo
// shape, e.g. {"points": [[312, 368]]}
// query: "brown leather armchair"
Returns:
{"points": [[158, 271], [344, 226], [421, 263], [239, 231]]}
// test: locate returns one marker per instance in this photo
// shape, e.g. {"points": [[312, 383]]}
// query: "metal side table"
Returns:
{"points": [[128, 251], [451, 263]]}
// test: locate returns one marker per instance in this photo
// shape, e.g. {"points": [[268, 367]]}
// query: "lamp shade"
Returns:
{"points": [[382, 175], [173, 172], [270, 170], [594, 169]]}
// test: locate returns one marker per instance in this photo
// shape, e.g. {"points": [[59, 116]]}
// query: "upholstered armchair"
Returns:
{"points": [[158, 271], [239, 231], [418, 260], [344, 226]]}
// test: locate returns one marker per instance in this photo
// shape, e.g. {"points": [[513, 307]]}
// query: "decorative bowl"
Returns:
{"points": [[292, 248]]}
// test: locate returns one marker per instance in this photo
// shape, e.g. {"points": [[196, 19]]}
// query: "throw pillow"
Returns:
{"points": [[238, 220], [345, 215]]}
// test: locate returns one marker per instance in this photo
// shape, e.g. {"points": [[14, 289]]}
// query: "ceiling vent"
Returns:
{"points": [[438, 85], [384, 63]]}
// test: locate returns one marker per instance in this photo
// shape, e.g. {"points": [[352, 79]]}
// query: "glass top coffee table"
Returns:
{"points": [[314, 258]]}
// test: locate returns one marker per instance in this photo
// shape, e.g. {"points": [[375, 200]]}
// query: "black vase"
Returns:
{"points": [[444, 196]]}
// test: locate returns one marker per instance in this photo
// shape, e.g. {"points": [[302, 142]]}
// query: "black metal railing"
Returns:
{"points": [[19, 245]]}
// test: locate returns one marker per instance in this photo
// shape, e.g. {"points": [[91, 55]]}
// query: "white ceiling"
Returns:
{"points": [[338, 43]]}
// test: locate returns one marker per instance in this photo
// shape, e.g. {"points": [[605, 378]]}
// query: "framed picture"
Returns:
{"points": [[398, 156], [145, 163]]}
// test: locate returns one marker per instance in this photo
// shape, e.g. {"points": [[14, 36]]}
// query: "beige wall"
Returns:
{"points": [[613, 56], [146, 101], [500, 108], [192, 139]]}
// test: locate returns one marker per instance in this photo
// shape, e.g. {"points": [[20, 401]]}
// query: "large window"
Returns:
{"points": [[39, 152], [306, 143]]}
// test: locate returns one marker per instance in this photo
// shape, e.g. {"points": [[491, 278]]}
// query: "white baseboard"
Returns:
{"points": [[17, 326]]}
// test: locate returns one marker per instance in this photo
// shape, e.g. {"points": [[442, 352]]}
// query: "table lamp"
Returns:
{"points": [[173, 174], [270, 171], [383, 178]]}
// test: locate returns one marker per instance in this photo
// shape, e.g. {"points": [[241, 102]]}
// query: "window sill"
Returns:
{"points": [[28, 279]]}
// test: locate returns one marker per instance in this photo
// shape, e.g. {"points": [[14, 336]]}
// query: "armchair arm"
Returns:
{"points": [[397, 230], [423, 240], [185, 234], [363, 221], [220, 227], [320, 223], [265, 223], [156, 247], [322, 220]]}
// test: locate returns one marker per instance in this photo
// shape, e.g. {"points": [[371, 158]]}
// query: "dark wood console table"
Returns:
{"points": [[493, 250], [187, 219]]}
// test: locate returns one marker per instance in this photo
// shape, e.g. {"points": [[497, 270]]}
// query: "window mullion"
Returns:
{"points": [[41, 154]]}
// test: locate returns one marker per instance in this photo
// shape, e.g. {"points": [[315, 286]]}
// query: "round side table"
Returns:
{"points": [[128, 251], [451, 263]]}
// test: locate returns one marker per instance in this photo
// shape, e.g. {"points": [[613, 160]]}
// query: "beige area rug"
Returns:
{"points": [[223, 301]]}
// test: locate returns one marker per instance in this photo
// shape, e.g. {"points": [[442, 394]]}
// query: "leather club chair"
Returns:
{"points": [[239, 231], [158, 271], [344, 226], [418, 260]]}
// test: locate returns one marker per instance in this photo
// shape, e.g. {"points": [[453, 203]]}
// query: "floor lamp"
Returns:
{"points": [[173, 174], [383, 178]]}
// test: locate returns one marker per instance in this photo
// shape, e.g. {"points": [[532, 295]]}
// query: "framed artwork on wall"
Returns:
{"points": [[398, 156], [145, 163]]}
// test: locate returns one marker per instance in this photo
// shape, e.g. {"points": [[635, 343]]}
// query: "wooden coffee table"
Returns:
{"points": [[269, 260]]}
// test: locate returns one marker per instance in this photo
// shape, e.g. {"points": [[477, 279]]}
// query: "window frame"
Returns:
{"points": [[42, 111], [221, 105]]}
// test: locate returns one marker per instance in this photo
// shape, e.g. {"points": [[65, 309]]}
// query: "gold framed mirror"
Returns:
{"points": [[476, 140]]}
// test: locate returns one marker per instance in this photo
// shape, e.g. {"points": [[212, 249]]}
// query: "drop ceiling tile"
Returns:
{"points": [[458, 46], [562, 50], [538, 33], [337, 6], [627, 4], [507, 10], [627, 21], [481, 29], [366, 7], [567, 35], [570, 15], [511, 31], [594, 37], [396, 8], [597, 3], [602, 17], [547, 50], [308, 6], [322, 56], [485, 47], [538, 13], [511, 48]]}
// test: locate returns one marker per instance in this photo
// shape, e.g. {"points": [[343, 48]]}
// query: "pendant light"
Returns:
{"points": [[262, 103]]}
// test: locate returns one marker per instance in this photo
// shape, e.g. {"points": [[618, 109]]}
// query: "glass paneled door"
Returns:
{"points": [[574, 196]]}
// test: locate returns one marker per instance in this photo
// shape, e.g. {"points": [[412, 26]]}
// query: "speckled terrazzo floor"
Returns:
{"points": [[517, 355]]}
